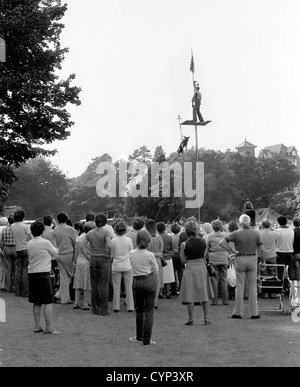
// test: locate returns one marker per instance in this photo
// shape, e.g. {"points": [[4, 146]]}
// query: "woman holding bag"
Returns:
{"points": [[218, 257]]}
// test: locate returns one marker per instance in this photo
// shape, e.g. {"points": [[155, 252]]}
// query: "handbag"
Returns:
{"points": [[211, 270], [231, 276]]}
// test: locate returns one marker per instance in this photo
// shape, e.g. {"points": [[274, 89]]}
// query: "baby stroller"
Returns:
{"points": [[269, 283]]}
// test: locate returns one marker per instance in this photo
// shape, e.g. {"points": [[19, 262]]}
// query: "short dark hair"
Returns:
{"points": [[232, 226], [89, 216], [151, 227], [217, 225], [120, 228], [266, 223], [11, 219], [47, 219], [161, 227], [100, 219], [248, 205], [175, 228], [296, 222], [79, 226], [37, 228], [282, 220], [62, 217], [19, 215], [143, 239], [138, 223]]}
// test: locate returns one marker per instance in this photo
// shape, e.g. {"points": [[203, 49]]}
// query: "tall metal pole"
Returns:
{"points": [[197, 182], [196, 138]]}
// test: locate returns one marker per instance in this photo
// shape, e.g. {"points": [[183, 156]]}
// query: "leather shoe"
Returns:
{"points": [[236, 316], [255, 317]]}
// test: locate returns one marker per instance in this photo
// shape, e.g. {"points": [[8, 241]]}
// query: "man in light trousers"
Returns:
{"points": [[247, 241]]}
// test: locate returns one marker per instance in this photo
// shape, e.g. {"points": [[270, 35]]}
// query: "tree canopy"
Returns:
{"points": [[33, 99]]}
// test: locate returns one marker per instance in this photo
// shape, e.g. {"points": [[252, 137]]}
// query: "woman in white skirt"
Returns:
{"points": [[195, 286]]}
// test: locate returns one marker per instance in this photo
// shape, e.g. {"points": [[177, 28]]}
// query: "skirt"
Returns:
{"points": [[195, 285], [40, 288], [82, 278]]}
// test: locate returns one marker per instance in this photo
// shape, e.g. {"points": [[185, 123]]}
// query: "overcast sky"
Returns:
{"points": [[132, 60]]}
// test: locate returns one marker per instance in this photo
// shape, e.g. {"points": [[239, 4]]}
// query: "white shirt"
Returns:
{"points": [[285, 240], [120, 247], [143, 262], [40, 253]]}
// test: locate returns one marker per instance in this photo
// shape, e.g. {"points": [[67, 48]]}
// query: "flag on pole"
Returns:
{"points": [[192, 66]]}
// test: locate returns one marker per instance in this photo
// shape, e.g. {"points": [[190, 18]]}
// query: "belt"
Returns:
{"points": [[142, 276], [245, 255]]}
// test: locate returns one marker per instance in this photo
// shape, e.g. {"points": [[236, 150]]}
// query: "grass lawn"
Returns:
{"points": [[103, 341]]}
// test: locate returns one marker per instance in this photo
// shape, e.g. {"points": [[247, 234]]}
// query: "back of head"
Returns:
{"points": [[11, 219], [232, 226], [19, 215], [143, 239], [79, 226], [151, 227], [88, 226], [245, 220], [37, 228], [207, 228], [100, 219], [138, 223], [161, 227], [89, 216], [191, 228], [3, 221], [47, 220], [217, 225], [282, 221], [62, 217], [175, 228], [120, 227], [296, 222], [248, 205], [266, 224]]}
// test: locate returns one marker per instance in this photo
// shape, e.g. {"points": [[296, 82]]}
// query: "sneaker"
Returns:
{"points": [[151, 342], [134, 339]]}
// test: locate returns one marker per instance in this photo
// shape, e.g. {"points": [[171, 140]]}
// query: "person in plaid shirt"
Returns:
{"points": [[9, 251]]}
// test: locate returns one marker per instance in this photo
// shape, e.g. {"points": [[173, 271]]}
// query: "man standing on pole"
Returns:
{"points": [[196, 102]]}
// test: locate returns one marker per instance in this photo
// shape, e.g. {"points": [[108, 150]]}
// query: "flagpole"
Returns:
{"points": [[192, 68]]}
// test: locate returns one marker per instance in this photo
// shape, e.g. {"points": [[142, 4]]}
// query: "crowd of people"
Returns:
{"points": [[91, 263]]}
